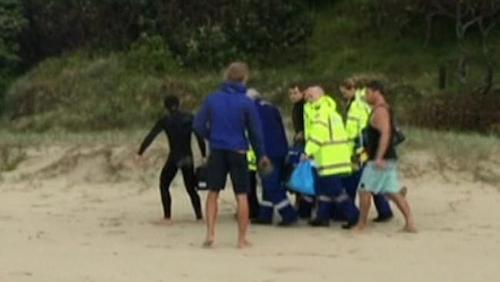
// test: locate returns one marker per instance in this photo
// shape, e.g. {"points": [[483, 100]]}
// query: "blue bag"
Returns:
{"points": [[303, 179]]}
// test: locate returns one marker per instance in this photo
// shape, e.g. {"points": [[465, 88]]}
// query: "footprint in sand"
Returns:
{"points": [[156, 246], [110, 222], [284, 270], [352, 251], [116, 232], [7, 218], [21, 273], [161, 222], [41, 206]]}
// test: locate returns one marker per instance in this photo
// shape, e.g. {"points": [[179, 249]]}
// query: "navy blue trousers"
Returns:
{"points": [[274, 195], [330, 192]]}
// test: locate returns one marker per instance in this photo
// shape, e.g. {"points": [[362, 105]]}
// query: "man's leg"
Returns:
{"points": [[242, 202], [305, 206], [266, 209], [404, 207], [211, 215], [167, 175], [351, 184], [238, 168], [365, 199], [344, 204], [190, 184], [324, 202], [383, 208], [216, 180], [253, 200], [281, 202]]}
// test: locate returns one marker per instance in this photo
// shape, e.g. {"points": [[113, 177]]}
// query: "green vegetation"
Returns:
{"points": [[114, 76], [11, 25]]}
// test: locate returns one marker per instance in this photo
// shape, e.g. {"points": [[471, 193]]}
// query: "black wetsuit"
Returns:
{"points": [[178, 127], [298, 121]]}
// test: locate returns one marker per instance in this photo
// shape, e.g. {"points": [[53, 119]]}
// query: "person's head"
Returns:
{"points": [[237, 72], [171, 103], [295, 94], [314, 93], [374, 92], [348, 89], [253, 94]]}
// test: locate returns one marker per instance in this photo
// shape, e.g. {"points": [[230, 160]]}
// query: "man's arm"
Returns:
{"points": [[381, 121], [201, 122], [201, 144], [318, 134], [150, 137], [255, 133], [277, 115]]}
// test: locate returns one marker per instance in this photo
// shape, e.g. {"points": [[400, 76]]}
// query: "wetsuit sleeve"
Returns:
{"points": [[201, 123], [255, 130], [150, 137], [200, 140], [201, 144]]}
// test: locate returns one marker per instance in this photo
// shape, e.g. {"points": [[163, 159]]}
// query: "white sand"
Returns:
{"points": [[86, 214]]}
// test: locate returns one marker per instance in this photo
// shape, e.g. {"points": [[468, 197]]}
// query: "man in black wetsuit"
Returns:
{"points": [[304, 203], [177, 125]]}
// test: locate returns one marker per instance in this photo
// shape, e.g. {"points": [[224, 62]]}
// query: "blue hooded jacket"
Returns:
{"points": [[225, 117], [275, 139]]}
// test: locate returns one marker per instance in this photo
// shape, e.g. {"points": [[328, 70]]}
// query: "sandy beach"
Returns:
{"points": [[88, 213]]}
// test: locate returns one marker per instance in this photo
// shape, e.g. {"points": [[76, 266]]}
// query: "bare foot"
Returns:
{"points": [[208, 244], [409, 229], [404, 191], [359, 229], [244, 244], [163, 221]]}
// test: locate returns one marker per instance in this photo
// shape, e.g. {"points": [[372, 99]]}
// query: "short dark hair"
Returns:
{"points": [[171, 102], [348, 83], [376, 85]]}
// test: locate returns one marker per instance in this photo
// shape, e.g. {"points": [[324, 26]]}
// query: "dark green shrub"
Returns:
{"points": [[12, 23]]}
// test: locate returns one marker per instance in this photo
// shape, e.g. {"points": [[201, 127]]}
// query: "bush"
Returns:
{"points": [[79, 93], [150, 54], [200, 33], [204, 36], [468, 109], [12, 23]]}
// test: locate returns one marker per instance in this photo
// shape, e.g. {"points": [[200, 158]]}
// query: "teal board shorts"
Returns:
{"points": [[380, 181]]}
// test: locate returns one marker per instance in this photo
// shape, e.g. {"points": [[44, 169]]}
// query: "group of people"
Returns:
{"points": [[352, 153]]}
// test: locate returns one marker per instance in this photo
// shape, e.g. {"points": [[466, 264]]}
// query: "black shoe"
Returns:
{"points": [[380, 219], [287, 223], [260, 221], [348, 225], [319, 223]]}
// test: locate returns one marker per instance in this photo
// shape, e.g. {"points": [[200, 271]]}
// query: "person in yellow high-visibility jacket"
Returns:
{"points": [[253, 200], [327, 145], [357, 118]]}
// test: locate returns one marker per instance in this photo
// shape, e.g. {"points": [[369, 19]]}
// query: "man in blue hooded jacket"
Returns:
{"points": [[273, 190], [224, 119]]}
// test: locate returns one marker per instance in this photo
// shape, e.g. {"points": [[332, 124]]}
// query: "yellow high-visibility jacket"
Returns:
{"points": [[252, 160], [356, 120], [326, 138]]}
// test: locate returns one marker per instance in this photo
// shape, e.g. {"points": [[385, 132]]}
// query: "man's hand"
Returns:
{"points": [[304, 157], [139, 160], [299, 136], [265, 166], [380, 164]]}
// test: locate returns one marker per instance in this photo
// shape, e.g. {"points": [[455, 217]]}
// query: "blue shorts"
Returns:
{"points": [[380, 181]]}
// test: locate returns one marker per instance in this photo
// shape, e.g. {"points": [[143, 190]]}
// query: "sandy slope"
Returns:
{"points": [[86, 214]]}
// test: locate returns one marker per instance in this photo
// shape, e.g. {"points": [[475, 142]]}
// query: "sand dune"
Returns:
{"points": [[87, 213]]}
